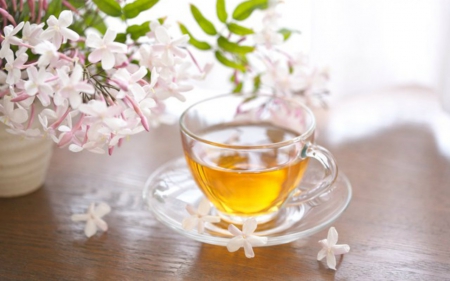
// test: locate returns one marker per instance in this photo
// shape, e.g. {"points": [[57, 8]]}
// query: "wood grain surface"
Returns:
{"points": [[394, 146]]}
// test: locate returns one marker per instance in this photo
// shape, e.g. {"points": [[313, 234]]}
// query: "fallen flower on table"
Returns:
{"points": [[245, 238], [330, 249], [199, 217], [93, 218]]}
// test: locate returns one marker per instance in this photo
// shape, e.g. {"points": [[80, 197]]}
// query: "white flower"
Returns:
{"points": [[57, 30], [31, 33], [36, 84], [105, 48], [129, 82], [280, 80], [98, 111], [48, 53], [14, 66], [199, 217], [171, 89], [330, 248], [245, 238], [268, 37], [93, 218], [9, 38], [11, 114], [169, 47], [155, 24], [72, 87]]}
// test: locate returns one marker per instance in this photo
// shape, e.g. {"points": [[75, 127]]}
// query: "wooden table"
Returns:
{"points": [[394, 147]]}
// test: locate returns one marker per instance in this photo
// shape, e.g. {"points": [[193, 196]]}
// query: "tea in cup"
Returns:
{"points": [[249, 154]]}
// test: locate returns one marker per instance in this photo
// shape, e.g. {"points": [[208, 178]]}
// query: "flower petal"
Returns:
{"points": [[101, 224], [189, 223], [322, 253], [96, 55], [341, 249], [204, 207], [191, 210], [90, 228], [19, 115], [80, 217], [200, 227], [75, 100], [332, 237], [108, 60], [102, 209], [234, 230], [235, 244], [256, 240], [249, 226], [65, 18], [70, 34], [110, 35], [162, 35], [248, 249], [331, 260], [211, 218]]}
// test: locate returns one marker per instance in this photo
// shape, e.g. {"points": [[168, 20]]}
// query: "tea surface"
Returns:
{"points": [[246, 182]]}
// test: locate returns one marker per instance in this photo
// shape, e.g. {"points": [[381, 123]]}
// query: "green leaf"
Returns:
{"points": [[256, 83], [109, 7], [77, 3], [201, 45], [121, 38], [245, 9], [233, 47], [95, 20], [54, 8], [204, 24], [138, 30], [221, 11], [287, 33], [238, 88], [223, 60], [239, 29], [132, 10]]}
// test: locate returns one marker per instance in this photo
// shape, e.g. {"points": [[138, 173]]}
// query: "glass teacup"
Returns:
{"points": [[248, 154]]}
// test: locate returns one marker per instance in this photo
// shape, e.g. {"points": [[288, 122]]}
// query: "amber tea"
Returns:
{"points": [[242, 182]]}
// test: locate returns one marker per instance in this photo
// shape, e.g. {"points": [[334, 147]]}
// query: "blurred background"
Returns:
{"points": [[388, 60], [367, 45]]}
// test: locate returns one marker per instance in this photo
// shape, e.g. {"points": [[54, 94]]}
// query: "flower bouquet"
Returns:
{"points": [[87, 88]]}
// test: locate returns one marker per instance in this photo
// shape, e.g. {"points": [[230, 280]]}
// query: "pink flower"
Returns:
{"points": [[57, 30], [169, 47], [105, 48], [36, 84], [71, 87], [10, 38]]}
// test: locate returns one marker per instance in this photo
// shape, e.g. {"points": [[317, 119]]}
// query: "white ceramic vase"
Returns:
{"points": [[23, 163]]}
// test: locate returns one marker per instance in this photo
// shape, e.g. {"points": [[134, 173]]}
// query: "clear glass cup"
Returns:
{"points": [[248, 154]]}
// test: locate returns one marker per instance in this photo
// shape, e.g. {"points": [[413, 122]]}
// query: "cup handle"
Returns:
{"points": [[313, 195]]}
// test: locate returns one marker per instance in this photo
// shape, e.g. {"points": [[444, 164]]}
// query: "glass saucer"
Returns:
{"points": [[170, 188]]}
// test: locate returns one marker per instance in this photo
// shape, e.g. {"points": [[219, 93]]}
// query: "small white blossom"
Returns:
{"points": [[10, 38], [14, 66], [169, 47], [245, 238], [37, 84], [104, 49], [199, 217], [99, 112], [171, 89], [12, 114], [57, 30], [31, 33], [72, 87], [330, 248], [48, 53], [93, 218]]}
